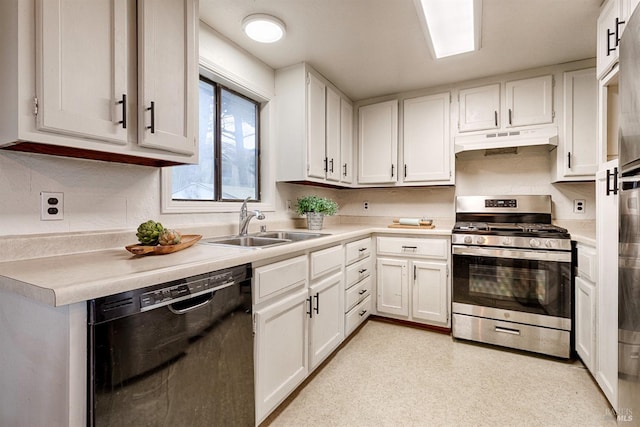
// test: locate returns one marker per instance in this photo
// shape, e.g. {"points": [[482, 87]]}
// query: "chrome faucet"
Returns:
{"points": [[245, 217]]}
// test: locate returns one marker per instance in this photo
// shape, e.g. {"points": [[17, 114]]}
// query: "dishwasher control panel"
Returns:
{"points": [[191, 286]]}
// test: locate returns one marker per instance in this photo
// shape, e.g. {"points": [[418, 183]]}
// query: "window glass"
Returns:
{"points": [[238, 129], [197, 182], [228, 149]]}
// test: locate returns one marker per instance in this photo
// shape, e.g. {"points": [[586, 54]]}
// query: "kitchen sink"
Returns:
{"points": [[264, 239], [294, 236]]}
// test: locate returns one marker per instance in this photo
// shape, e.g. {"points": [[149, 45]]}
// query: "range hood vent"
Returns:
{"points": [[518, 138]]}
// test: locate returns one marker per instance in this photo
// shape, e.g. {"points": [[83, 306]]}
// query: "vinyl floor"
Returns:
{"points": [[395, 375]]}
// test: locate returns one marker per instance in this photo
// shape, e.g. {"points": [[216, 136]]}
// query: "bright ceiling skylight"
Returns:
{"points": [[453, 25], [263, 28]]}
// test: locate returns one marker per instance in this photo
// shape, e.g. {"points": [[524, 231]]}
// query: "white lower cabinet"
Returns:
{"points": [[281, 344], [358, 284], [297, 323], [585, 306], [326, 324], [413, 280]]}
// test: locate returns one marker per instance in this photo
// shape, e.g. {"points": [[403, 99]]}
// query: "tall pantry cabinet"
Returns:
{"points": [[101, 79]]}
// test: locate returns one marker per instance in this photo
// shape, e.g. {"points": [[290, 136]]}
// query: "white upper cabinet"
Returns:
{"points": [[313, 122], [82, 80], [426, 144], [346, 142], [479, 108], [316, 129], [378, 143], [529, 101], [609, 30], [167, 74], [333, 134], [577, 151], [87, 73]]}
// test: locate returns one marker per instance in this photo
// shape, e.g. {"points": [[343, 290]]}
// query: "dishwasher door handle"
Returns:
{"points": [[197, 305]]}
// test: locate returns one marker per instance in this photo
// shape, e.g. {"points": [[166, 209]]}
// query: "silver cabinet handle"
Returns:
{"points": [[507, 330]]}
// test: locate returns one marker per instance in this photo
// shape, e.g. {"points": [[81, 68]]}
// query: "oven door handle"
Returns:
{"points": [[538, 255]]}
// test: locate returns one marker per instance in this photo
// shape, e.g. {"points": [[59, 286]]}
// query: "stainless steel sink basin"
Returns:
{"points": [[264, 239], [294, 236]]}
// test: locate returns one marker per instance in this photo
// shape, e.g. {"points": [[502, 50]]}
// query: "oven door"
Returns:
{"points": [[530, 281]]}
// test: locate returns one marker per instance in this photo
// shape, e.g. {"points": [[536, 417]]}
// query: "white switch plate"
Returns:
{"points": [[51, 206]]}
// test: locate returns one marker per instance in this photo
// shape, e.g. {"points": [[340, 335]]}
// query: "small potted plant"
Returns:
{"points": [[315, 208]]}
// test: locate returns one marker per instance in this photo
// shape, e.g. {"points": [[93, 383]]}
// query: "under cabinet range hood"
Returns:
{"points": [[547, 135]]}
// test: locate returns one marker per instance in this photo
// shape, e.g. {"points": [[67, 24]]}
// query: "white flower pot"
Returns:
{"points": [[314, 220]]}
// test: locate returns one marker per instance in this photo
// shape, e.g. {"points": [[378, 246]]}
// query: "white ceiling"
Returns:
{"points": [[369, 48]]}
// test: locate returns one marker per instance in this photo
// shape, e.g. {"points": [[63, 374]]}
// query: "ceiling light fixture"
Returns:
{"points": [[451, 26], [263, 28]]}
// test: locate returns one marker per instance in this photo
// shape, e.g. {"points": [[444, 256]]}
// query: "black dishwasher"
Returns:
{"points": [[173, 354]]}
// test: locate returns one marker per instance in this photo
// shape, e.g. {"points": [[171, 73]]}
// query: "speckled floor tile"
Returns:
{"points": [[391, 375]]}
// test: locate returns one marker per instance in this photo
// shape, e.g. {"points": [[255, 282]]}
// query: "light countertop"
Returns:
{"points": [[77, 277]]}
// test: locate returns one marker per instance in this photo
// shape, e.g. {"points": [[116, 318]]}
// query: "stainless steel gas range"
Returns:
{"points": [[512, 274]]}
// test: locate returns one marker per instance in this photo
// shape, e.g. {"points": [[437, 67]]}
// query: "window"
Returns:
{"points": [[228, 168]]}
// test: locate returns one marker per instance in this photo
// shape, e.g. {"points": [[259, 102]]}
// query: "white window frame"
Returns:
{"points": [[266, 168]]}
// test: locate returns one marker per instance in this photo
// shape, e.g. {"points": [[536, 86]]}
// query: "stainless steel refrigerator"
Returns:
{"points": [[629, 236]]}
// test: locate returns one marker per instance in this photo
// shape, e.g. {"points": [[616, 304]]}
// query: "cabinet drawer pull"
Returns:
{"points": [[510, 113], [495, 117], [331, 163], [317, 297], [344, 168], [569, 160], [362, 291], [152, 108], [123, 101], [362, 313], [507, 330], [405, 170], [393, 170], [362, 271], [310, 312], [362, 249], [413, 248]]}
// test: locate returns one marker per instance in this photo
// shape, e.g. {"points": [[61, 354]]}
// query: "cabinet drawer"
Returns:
{"points": [[407, 246], [357, 293], [358, 250], [357, 315], [587, 263], [357, 272], [326, 261], [277, 278]]}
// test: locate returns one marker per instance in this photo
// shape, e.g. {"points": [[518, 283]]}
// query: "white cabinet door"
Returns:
{"points": [[168, 76], [607, 284], [333, 115], [316, 127], [479, 108], [585, 300], [430, 292], [426, 143], [578, 149], [393, 286], [346, 142], [529, 101], [81, 63], [281, 347], [378, 143], [327, 318], [609, 30]]}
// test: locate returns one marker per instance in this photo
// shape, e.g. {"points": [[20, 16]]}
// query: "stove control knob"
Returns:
{"points": [[506, 240], [534, 243], [550, 243], [467, 239], [480, 240]]}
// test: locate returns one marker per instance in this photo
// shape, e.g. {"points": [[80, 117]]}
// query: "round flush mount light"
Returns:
{"points": [[263, 28]]}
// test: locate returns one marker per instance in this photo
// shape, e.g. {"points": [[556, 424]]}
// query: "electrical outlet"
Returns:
{"points": [[51, 206], [365, 205], [579, 206], [288, 205]]}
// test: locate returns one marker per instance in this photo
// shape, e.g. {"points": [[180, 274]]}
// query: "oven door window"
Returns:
{"points": [[541, 287]]}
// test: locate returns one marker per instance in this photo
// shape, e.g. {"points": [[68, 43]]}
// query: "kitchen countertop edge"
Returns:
{"points": [[66, 279]]}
